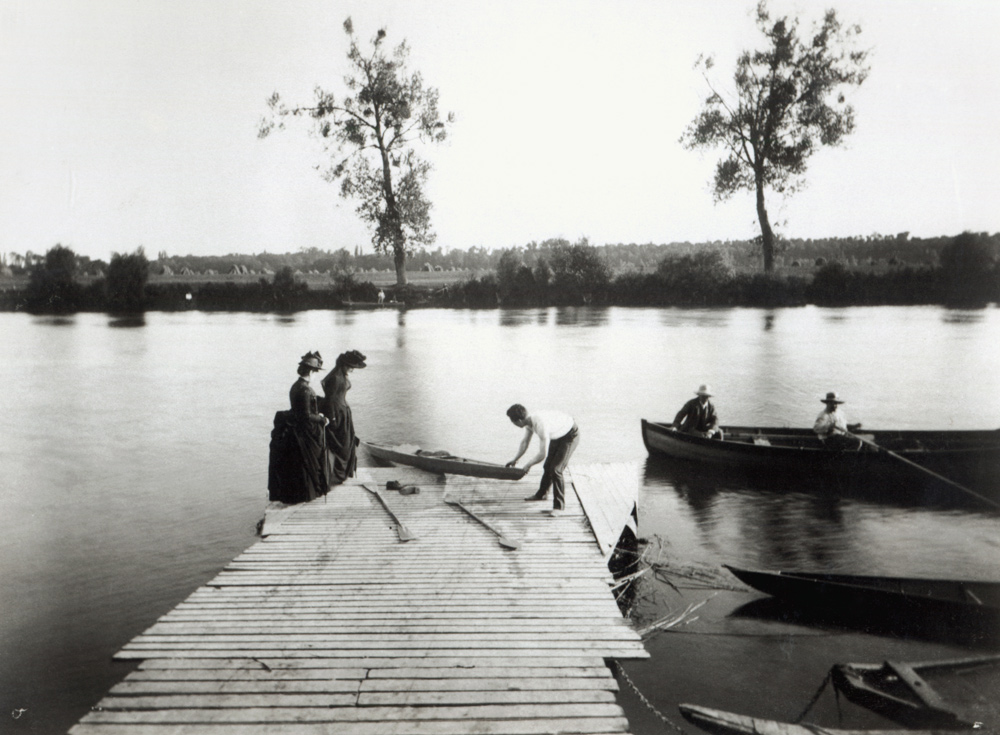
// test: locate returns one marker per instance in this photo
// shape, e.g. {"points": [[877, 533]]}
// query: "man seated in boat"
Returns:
{"points": [[698, 417], [832, 428]]}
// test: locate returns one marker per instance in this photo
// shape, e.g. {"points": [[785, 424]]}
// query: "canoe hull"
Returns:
{"points": [[971, 458], [447, 464], [721, 722]]}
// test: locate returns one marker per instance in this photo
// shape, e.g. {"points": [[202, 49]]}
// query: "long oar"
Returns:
{"points": [[942, 478], [401, 530], [504, 541]]}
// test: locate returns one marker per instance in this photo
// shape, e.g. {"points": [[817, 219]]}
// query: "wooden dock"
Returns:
{"points": [[331, 624]]}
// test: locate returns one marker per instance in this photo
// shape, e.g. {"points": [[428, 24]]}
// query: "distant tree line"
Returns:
{"points": [[962, 270]]}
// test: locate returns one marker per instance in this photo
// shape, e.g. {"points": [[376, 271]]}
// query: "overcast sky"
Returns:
{"points": [[134, 122]]}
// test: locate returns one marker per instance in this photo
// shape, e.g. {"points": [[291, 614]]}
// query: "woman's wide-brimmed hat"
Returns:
{"points": [[831, 398], [311, 360], [352, 359], [704, 390]]}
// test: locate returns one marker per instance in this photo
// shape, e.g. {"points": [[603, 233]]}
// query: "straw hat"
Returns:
{"points": [[704, 390], [831, 397]]}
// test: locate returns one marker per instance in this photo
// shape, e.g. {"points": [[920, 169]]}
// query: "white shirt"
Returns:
{"points": [[547, 426], [827, 421]]}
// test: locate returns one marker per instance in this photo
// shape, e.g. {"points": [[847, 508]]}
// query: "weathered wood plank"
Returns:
{"points": [[536, 726], [251, 715]]}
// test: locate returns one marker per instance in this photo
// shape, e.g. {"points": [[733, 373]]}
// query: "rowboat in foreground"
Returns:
{"points": [[729, 723], [971, 458], [944, 600], [442, 462], [953, 694]]}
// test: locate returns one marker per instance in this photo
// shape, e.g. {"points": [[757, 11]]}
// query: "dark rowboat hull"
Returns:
{"points": [[948, 601], [971, 458], [442, 462], [954, 694], [721, 722]]}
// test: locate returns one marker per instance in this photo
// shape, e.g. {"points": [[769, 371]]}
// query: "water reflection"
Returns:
{"points": [[128, 321], [677, 317], [892, 620], [581, 316], [768, 321], [963, 316], [55, 321], [517, 317]]}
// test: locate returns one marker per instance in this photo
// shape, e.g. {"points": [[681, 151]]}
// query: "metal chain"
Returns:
{"points": [[642, 698], [815, 697]]}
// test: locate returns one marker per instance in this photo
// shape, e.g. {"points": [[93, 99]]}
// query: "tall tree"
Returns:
{"points": [[125, 281], [371, 135], [789, 100]]}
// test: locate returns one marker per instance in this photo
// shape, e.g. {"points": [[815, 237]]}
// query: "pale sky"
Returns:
{"points": [[134, 122]]}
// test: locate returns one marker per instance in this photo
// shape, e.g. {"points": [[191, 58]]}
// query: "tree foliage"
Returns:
{"points": [[51, 287], [969, 270], [125, 281], [788, 101], [372, 134]]}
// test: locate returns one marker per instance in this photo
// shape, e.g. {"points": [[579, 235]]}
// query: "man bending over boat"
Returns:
{"points": [[698, 416], [832, 428], [558, 436]]}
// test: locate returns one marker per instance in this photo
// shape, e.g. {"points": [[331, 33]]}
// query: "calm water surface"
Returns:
{"points": [[133, 463]]}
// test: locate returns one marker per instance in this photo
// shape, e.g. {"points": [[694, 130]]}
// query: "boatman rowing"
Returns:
{"points": [[832, 428], [558, 436], [698, 417]]}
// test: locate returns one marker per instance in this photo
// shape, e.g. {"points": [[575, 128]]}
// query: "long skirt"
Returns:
{"points": [[296, 470], [341, 446]]}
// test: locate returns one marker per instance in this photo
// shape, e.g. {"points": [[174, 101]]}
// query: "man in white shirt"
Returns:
{"points": [[558, 436], [831, 426]]}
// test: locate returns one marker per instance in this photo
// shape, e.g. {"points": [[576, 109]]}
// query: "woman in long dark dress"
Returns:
{"points": [[341, 442], [297, 468]]}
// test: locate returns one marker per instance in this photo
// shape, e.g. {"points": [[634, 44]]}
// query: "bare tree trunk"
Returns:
{"points": [[399, 257], [766, 234]]}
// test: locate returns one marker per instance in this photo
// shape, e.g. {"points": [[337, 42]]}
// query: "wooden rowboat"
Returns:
{"points": [[442, 462], [971, 458], [953, 694], [946, 600], [729, 723]]}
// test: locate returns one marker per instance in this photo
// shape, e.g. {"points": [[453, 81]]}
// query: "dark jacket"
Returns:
{"points": [[696, 417]]}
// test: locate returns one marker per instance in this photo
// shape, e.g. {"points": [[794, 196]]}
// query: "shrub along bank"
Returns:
{"points": [[968, 275]]}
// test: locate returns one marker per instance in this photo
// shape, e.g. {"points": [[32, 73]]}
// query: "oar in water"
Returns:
{"points": [[401, 530], [504, 541], [920, 467]]}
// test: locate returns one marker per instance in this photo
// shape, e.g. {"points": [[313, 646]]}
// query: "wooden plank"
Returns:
{"points": [[250, 715], [438, 698], [535, 726], [266, 664]]}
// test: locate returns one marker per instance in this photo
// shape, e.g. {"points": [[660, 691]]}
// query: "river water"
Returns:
{"points": [[133, 465]]}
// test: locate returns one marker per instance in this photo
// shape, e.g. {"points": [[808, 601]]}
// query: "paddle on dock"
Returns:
{"points": [[401, 530], [920, 467], [504, 541]]}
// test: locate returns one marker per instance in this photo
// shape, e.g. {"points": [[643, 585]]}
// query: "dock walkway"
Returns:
{"points": [[330, 623]]}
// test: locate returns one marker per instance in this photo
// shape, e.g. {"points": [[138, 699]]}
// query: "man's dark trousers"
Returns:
{"points": [[560, 450]]}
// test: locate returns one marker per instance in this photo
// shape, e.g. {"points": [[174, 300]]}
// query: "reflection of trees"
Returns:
{"points": [[581, 316], [775, 521]]}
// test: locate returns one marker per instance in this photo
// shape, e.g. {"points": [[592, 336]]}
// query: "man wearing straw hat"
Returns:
{"points": [[832, 428], [698, 415]]}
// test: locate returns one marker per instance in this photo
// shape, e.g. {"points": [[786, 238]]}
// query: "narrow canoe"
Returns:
{"points": [[442, 462], [721, 722], [972, 601], [954, 693], [971, 458]]}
